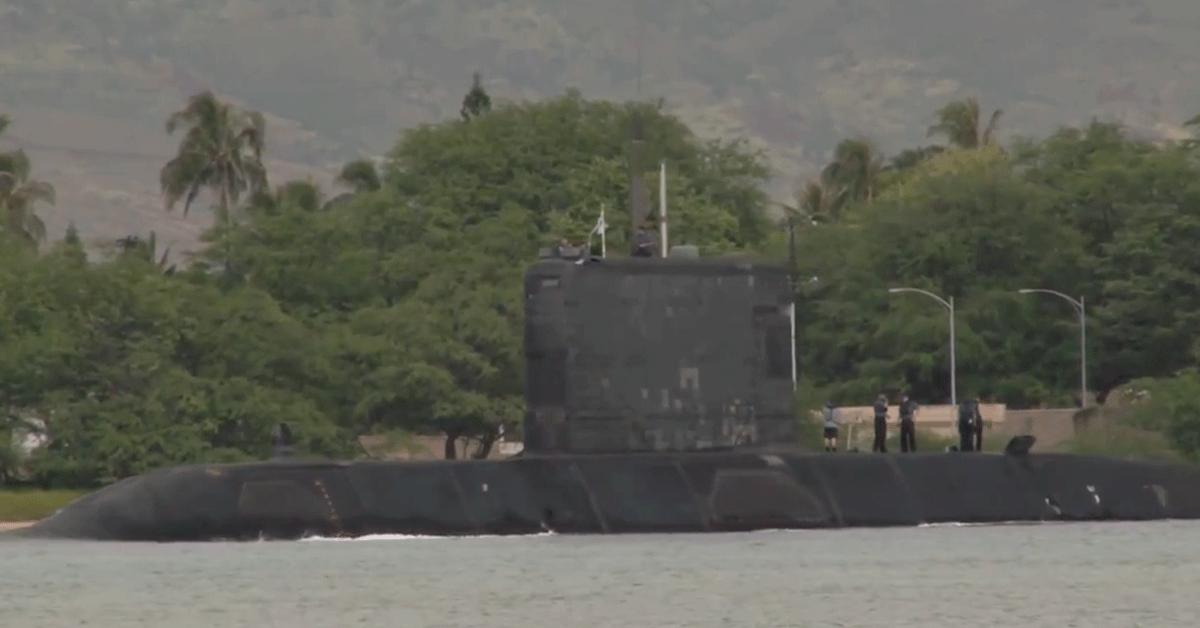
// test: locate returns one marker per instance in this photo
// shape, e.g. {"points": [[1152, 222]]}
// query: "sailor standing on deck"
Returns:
{"points": [[978, 428], [968, 418], [908, 429], [829, 419], [881, 414]]}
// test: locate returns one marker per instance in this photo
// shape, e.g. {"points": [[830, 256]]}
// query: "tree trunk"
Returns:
{"points": [[486, 442], [450, 450]]}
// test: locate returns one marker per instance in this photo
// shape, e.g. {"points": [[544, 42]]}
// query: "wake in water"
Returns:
{"points": [[959, 524], [414, 537], [949, 524]]}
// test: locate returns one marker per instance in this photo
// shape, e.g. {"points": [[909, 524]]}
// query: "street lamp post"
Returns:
{"points": [[949, 305], [1079, 309]]}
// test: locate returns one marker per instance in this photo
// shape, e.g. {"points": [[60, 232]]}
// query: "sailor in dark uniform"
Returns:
{"points": [[645, 242], [978, 428], [908, 428], [881, 413], [968, 418]]}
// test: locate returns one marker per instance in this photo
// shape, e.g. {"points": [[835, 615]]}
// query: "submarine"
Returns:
{"points": [[660, 399]]}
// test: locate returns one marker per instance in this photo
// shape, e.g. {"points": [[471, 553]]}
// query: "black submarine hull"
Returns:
{"points": [[596, 494]]}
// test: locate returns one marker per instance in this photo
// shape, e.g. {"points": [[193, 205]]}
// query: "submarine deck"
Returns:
{"points": [[602, 494]]}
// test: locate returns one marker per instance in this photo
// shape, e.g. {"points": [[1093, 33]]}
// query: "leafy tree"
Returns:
{"points": [[1126, 199], [1147, 315], [360, 175], [221, 150], [965, 225], [1170, 405], [1100, 176], [562, 158]]}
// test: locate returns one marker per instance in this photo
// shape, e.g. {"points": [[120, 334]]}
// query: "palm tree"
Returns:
{"points": [[959, 123], [221, 151], [476, 102], [855, 169], [1193, 125], [822, 199], [819, 200], [19, 194]]}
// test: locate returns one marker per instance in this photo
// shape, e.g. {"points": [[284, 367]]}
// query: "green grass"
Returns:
{"points": [[32, 505], [1131, 444]]}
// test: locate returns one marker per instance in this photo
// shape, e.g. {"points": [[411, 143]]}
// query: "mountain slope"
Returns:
{"points": [[90, 83]]}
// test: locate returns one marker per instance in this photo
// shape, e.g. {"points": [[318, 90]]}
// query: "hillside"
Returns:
{"points": [[89, 83]]}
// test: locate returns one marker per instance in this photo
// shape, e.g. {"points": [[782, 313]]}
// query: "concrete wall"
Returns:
{"points": [[1051, 427], [941, 420]]}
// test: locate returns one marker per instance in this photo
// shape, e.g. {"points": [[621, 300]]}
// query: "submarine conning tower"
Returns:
{"points": [[645, 354]]}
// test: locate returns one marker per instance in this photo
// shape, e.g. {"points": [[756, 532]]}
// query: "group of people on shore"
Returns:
{"points": [[969, 423]]}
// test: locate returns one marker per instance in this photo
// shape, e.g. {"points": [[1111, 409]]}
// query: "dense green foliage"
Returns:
{"points": [[397, 305], [1087, 212]]}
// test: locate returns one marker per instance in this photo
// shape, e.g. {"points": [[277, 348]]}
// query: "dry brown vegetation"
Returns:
{"points": [[90, 83]]}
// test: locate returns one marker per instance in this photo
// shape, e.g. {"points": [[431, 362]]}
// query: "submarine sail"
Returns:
{"points": [[640, 355]]}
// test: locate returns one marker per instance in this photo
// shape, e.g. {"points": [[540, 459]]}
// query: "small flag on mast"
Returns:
{"points": [[600, 228]]}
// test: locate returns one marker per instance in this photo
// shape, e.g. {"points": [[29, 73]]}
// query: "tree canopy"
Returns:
{"points": [[397, 305]]}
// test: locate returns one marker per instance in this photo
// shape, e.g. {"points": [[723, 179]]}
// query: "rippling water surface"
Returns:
{"points": [[1088, 575]]}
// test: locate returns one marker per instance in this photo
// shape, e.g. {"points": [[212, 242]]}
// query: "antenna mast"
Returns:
{"points": [[640, 19], [639, 205], [662, 204]]}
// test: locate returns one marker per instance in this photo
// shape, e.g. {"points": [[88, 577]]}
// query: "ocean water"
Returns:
{"points": [[1118, 575]]}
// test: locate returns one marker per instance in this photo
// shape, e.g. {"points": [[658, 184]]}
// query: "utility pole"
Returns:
{"points": [[949, 305], [1082, 312]]}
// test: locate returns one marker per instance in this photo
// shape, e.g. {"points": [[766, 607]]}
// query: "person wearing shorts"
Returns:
{"points": [[829, 420]]}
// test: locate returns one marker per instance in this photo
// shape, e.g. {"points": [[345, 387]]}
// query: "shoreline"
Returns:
{"points": [[14, 525]]}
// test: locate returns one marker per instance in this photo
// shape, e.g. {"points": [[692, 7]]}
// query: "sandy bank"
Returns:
{"points": [[14, 525]]}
